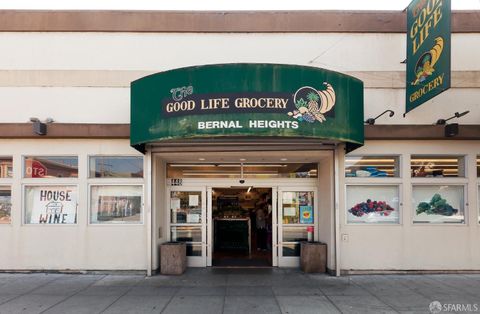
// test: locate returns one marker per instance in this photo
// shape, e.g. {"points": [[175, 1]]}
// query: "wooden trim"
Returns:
{"points": [[122, 131], [123, 78], [66, 130], [221, 22], [419, 132]]}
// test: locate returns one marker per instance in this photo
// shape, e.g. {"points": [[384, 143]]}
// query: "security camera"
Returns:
{"points": [[242, 181]]}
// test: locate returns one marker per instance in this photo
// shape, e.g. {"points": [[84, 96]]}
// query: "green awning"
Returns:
{"points": [[247, 100]]}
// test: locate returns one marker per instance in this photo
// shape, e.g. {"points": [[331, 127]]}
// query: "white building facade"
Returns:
{"points": [[76, 68]]}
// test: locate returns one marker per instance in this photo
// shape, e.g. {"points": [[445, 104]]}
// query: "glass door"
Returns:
{"points": [[296, 215], [188, 222]]}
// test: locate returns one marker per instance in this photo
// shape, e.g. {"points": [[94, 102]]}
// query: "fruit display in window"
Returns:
{"points": [[436, 206], [378, 207]]}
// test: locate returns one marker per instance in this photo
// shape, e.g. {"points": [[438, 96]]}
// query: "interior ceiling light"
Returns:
{"points": [[201, 159], [191, 165]]}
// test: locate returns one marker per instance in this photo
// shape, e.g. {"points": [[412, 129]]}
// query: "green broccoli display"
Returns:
{"points": [[437, 206]]}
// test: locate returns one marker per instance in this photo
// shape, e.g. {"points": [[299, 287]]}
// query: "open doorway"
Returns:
{"points": [[242, 227]]}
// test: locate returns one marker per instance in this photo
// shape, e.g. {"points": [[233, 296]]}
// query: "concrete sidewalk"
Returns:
{"points": [[250, 291]]}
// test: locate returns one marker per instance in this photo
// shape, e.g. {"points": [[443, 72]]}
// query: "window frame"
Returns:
{"points": [[8, 186], [89, 164], [399, 186], [23, 168], [120, 223], [459, 156], [109, 181], [465, 222], [24, 204], [8, 179], [399, 165]]}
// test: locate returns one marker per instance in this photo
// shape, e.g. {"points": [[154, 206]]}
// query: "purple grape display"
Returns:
{"points": [[379, 207]]}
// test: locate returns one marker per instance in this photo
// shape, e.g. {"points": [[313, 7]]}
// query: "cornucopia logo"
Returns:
{"points": [[425, 64], [313, 104]]}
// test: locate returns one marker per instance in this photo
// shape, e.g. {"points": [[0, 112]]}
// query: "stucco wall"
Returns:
{"points": [[84, 77], [409, 246], [82, 246]]}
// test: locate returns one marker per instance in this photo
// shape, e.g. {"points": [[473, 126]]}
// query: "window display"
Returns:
{"points": [[116, 167], [186, 207], [50, 167], [438, 204], [186, 234], [297, 207], [6, 167], [51, 205], [5, 205], [110, 204], [186, 219], [373, 204], [437, 166], [372, 166]]}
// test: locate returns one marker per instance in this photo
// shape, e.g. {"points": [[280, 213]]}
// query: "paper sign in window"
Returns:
{"points": [[193, 218], [193, 200], [289, 211], [174, 203]]}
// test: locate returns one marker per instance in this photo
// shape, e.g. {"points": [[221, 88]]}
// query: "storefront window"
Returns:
{"points": [[297, 217], [437, 166], [6, 167], [372, 166], [116, 204], [116, 167], [291, 249], [297, 207], [373, 204], [5, 205], [51, 205], [186, 207], [50, 167], [294, 234], [186, 234], [186, 219], [438, 204]]}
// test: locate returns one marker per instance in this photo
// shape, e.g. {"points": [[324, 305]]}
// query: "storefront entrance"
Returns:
{"points": [[209, 200], [242, 227], [256, 225]]}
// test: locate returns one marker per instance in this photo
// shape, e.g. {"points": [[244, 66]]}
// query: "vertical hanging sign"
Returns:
{"points": [[428, 50]]}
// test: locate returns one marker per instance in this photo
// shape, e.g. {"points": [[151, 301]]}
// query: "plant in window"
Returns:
{"points": [[377, 207], [436, 206]]}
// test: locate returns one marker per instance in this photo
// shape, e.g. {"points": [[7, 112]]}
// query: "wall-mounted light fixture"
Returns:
{"points": [[39, 127], [451, 129], [371, 121], [456, 115]]}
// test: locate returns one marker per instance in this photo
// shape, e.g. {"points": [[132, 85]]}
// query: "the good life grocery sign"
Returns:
{"points": [[247, 100], [428, 50]]}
